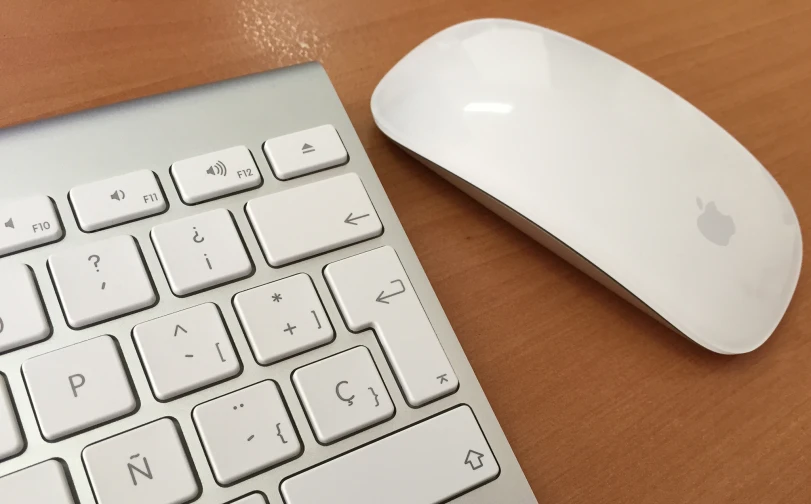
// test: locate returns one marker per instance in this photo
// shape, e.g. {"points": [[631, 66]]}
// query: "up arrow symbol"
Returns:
{"points": [[474, 459], [179, 327]]}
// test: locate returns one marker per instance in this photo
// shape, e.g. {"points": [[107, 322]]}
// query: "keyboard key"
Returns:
{"points": [[308, 220], [44, 483], [373, 291], [215, 174], [117, 200], [201, 251], [28, 223], [246, 431], [283, 318], [343, 394], [186, 351], [78, 387], [22, 317], [255, 498], [146, 464], [11, 438], [431, 462], [102, 280], [305, 151]]}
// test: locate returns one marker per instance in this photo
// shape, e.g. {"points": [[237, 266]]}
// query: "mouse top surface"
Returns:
{"points": [[614, 165]]}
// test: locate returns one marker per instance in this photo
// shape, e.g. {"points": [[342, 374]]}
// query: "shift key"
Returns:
{"points": [[312, 219], [428, 463]]}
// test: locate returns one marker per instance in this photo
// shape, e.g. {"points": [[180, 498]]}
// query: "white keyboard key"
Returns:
{"points": [[117, 200], [201, 251], [246, 431], [431, 462], [78, 387], [22, 317], [255, 498], [144, 465], [343, 394], [27, 223], [11, 438], [312, 219], [373, 291], [44, 483], [305, 151], [186, 351], [283, 318], [215, 174], [102, 280]]}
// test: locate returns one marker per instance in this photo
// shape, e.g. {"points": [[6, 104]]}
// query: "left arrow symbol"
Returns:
{"points": [[351, 220], [179, 327]]}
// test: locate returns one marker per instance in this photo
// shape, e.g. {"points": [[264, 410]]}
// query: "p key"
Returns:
{"points": [[78, 387], [373, 291]]}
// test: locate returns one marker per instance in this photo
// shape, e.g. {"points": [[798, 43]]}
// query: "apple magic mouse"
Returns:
{"points": [[607, 168]]}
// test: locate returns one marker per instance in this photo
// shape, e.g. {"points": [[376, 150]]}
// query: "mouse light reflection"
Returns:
{"points": [[494, 107]]}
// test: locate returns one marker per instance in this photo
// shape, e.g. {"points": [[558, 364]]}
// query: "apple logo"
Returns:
{"points": [[715, 226]]}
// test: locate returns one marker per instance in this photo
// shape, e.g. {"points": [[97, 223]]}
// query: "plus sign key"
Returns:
{"points": [[283, 318]]}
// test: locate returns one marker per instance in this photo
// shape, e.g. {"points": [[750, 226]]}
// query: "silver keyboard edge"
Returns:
{"points": [[52, 156]]}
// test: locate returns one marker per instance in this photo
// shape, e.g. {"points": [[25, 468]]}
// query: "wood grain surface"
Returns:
{"points": [[600, 403]]}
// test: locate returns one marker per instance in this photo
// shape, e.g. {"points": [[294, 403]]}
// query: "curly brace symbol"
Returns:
{"points": [[279, 433], [377, 402]]}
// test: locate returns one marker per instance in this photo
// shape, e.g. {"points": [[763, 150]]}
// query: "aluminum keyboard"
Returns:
{"points": [[206, 296]]}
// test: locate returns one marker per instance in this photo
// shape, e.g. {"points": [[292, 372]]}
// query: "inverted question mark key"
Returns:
{"points": [[101, 281]]}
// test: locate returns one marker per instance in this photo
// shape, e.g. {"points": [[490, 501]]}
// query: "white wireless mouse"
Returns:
{"points": [[606, 167]]}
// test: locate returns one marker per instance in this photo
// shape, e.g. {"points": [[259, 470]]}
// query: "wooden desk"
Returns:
{"points": [[600, 403]]}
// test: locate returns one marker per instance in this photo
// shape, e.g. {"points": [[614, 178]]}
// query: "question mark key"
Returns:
{"points": [[100, 281]]}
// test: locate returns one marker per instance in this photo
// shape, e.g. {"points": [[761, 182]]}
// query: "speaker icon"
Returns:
{"points": [[9, 223], [118, 195], [217, 169]]}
